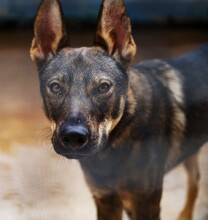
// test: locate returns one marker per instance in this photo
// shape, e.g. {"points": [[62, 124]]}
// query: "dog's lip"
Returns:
{"points": [[77, 155], [73, 154]]}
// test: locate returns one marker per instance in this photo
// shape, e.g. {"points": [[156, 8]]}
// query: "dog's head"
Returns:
{"points": [[83, 89]]}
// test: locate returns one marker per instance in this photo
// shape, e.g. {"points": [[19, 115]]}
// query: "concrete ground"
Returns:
{"points": [[35, 183]]}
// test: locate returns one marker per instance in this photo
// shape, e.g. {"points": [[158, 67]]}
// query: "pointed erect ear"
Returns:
{"points": [[49, 30], [114, 31]]}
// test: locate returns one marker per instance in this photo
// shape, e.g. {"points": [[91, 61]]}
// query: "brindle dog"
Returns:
{"points": [[127, 125]]}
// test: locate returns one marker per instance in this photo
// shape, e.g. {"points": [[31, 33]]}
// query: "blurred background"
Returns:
{"points": [[20, 12], [35, 183]]}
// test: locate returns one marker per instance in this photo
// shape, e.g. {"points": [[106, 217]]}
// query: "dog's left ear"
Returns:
{"points": [[49, 31], [114, 31]]}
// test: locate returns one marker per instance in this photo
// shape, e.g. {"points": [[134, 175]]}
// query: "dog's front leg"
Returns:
{"points": [[109, 207], [144, 205], [192, 168]]}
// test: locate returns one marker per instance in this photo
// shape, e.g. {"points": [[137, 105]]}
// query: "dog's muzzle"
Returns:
{"points": [[76, 141]]}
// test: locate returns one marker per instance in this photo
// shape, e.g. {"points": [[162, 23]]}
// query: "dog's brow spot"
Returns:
{"points": [[77, 51]]}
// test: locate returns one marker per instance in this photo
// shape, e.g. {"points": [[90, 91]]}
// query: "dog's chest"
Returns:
{"points": [[119, 169]]}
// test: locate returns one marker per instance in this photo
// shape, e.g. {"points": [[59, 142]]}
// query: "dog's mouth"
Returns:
{"points": [[73, 155]]}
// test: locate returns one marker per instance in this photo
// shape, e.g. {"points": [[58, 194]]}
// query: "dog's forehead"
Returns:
{"points": [[84, 51], [84, 55], [88, 61], [79, 51]]}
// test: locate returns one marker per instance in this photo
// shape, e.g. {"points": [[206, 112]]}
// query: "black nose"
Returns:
{"points": [[74, 136]]}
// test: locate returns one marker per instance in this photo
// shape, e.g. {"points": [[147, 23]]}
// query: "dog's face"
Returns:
{"points": [[84, 93], [84, 89]]}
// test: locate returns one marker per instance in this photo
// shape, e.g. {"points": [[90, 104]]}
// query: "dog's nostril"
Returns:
{"points": [[65, 140], [74, 137], [81, 140]]}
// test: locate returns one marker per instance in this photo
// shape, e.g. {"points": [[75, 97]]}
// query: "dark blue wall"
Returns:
{"points": [[22, 11]]}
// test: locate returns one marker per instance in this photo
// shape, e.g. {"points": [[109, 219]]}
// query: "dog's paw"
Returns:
{"points": [[184, 216]]}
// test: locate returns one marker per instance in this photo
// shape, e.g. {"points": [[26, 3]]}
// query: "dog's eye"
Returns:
{"points": [[55, 88], [104, 87]]}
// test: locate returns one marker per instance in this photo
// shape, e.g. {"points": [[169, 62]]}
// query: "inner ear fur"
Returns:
{"points": [[49, 31], [114, 31]]}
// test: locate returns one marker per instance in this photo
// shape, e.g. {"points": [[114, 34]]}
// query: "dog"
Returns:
{"points": [[127, 125]]}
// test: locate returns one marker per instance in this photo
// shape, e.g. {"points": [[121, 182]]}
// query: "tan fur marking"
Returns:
{"points": [[145, 93], [121, 109], [109, 124], [173, 82], [179, 116], [115, 122], [53, 126], [192, 168], [56, 27], [105, 126], [131, 101], [126, 200], [127, 204], [35, 53]]}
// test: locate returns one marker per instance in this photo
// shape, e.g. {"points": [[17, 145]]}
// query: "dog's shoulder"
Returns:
{"points": [[195, 58]]}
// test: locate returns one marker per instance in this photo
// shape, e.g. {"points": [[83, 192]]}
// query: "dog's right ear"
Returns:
{"points": [[49, 31]]}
